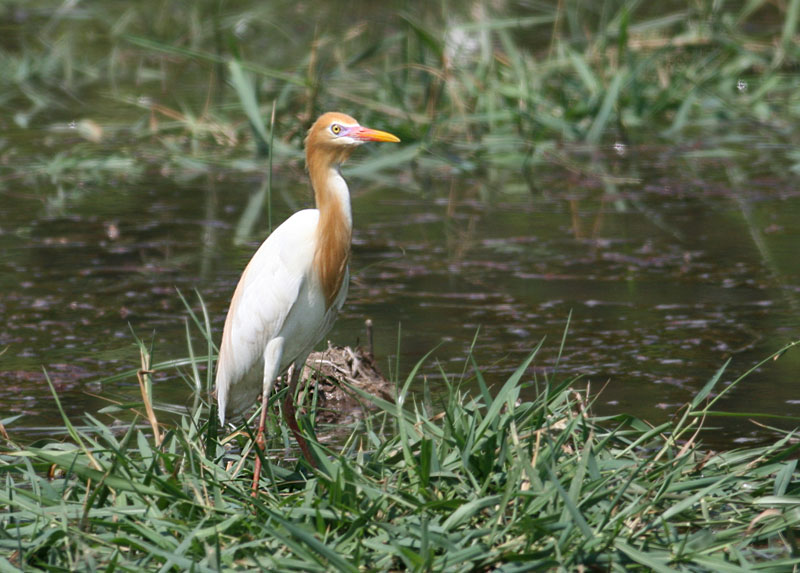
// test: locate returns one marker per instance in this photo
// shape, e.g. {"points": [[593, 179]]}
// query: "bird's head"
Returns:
{"points": [[337, 134]]}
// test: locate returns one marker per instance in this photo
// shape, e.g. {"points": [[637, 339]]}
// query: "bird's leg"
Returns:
{"points": [[260, 438], [289, 414]]}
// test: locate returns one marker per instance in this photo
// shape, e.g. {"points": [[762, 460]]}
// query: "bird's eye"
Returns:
{"points": [[336, 128]]}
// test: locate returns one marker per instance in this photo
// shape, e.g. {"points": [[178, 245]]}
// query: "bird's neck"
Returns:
{"points": [[334, 229]]}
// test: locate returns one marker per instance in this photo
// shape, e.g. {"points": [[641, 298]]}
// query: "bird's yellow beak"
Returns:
{"points": [[366, 134]]}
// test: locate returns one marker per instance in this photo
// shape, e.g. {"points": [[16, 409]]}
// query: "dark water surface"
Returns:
{"points": [[666, 279], [671, 260]]}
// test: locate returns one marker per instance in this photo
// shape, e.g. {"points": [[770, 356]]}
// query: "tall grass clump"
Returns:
{"points": [[460, 482]]}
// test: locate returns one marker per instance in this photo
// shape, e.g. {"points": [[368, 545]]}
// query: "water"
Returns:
{"points": [[664, 282], [664, 262]]}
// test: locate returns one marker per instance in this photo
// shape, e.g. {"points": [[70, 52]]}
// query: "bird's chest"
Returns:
{"points": [[311, 319]]}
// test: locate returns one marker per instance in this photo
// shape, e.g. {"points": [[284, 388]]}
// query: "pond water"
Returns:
{"points": [[664, 282], [664, 262]]}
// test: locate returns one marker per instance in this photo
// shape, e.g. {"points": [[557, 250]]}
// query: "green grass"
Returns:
{"points": [[457, 482]]}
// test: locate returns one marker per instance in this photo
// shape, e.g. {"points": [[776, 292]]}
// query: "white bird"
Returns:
{"points": [[292, 289]]}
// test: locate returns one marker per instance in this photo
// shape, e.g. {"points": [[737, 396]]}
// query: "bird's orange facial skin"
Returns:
{"points": [[366, 134]]}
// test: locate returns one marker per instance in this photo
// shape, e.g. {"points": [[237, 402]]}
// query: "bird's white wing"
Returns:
{"points": [[267, 291]]}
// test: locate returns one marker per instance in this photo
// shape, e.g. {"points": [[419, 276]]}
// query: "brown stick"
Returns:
{"points": [[142, 375], [370, 347]]}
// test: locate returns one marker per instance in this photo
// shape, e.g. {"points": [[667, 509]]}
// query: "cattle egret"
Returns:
{"points": [[292, 289]]}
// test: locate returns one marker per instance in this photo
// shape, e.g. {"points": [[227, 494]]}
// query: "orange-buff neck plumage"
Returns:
{"points": [[335, 227]]}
